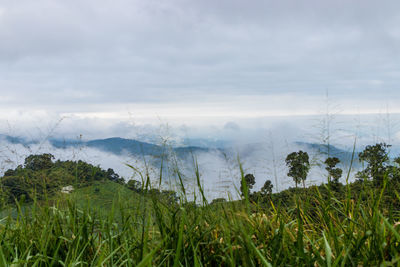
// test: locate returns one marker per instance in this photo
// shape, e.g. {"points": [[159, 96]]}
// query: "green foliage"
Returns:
{"points": [[15, 187], [376, 157], [134, 185], [169, 196], [334, 174], [266, 190], [39, 162], [299, 166], [218, 201], [250, 180], [40, 177], [119, 227]]}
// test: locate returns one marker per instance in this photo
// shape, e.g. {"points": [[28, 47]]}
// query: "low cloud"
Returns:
{"points": [[219, 170], [226, 58], [262, 145], [232, 126]]}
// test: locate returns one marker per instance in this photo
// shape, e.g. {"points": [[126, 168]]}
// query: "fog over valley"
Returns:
{"points": [[260, 145]]}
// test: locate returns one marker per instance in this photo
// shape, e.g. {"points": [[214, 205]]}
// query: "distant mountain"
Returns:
{"points": [[257, 151], [120, 146], [115, 145], [16, 140], [323, 149], [207, 143]]}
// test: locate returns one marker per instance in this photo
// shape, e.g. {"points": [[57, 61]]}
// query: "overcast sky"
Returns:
{"points": [[195, 60]]}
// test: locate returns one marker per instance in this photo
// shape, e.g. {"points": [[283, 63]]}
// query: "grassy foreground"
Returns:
{"points": [[107, 225]]}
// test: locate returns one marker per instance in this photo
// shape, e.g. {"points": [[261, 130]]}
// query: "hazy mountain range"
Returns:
{"points": [[121, 146]]}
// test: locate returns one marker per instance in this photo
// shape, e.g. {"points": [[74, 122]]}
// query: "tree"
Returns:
{"points": [[9, 172], [39, 162], [16, 188], [250, 180], [169, 196], [376, 158], [39, 176], [266, 190], [334, 174], [111, 175], [134, 185], [299, 166], [394, 171], [218, 200]]}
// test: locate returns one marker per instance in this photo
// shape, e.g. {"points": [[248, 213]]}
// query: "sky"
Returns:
{"points": [[99, 65]]}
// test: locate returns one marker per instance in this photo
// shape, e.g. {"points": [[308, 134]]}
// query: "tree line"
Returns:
{"points": [[40, 175], [378, 169]]}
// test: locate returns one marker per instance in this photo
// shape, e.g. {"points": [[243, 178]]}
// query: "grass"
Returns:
{"points": [[101, 195], [113, 226]]}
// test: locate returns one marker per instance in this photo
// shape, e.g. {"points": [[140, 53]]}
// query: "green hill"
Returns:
{"points": [[101, 195]]}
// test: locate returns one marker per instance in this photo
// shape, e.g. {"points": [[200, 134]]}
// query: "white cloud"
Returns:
{"points": [[91, 56]]}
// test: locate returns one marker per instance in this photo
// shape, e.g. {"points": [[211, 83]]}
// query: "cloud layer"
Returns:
{"points": [[169, 58]]}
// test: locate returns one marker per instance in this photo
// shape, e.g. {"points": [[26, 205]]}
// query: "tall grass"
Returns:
{"points": [[146, 230]]}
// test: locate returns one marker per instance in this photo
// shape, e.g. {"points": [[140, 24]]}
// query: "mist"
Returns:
{"points": [[260, 145], [219, 170]]}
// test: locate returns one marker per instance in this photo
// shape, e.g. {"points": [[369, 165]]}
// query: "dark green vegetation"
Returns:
{"points": [[40, 177], [299, 166], [106, 222]]}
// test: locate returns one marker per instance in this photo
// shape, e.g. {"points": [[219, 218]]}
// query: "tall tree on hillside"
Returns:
{"points": [[111, 175], [134, 185], [266, 190], [334, 174], [377, 159], [39, 162], [250, 180], [299, 166]]}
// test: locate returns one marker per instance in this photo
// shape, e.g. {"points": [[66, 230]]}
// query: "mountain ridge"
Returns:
{"points": [[121, 146]]}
